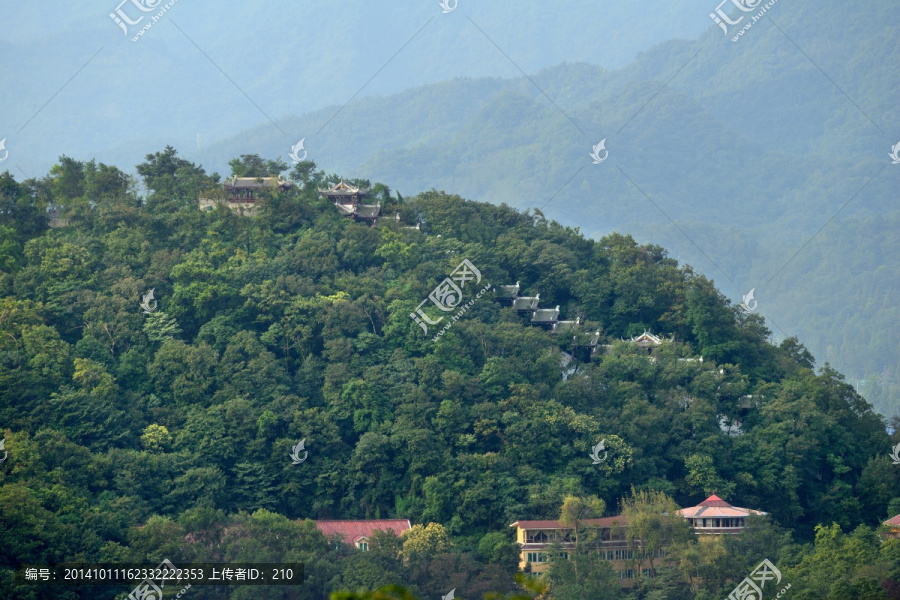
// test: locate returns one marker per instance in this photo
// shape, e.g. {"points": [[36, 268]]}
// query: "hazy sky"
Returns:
{"points": [[73, 82]]}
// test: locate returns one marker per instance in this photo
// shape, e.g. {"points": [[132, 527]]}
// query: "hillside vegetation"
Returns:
{"points": [[137, 436]]}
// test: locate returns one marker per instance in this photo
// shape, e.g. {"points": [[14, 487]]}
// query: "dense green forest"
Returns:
{"points": [[143, 437]]}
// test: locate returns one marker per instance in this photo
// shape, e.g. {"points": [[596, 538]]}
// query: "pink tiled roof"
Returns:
{"points": [[893, 521], [604, 522], [713, 501], [717, 508], [353, 531]]}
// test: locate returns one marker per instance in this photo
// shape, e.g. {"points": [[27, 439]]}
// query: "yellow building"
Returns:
{"points": [[536, 537]]}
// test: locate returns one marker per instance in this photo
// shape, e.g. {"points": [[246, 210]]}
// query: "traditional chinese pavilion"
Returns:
{"points": [[242, 193], [646, 340], [346, 198]]}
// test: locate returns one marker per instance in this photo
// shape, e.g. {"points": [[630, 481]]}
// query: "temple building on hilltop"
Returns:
{"points": [[357, 533], [346, 198], [647, 341], [242, 193], [714, 516]]}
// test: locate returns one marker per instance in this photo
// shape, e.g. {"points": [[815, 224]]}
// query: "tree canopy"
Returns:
{"points": [[142, 437]]}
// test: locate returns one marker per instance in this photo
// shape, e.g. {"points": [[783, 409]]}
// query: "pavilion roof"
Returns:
{"points": [[716, 507], [343, 188], [646, 340]]}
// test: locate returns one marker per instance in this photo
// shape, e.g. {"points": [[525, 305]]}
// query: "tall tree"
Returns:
{"points": [[652, 524], [575, 510]]}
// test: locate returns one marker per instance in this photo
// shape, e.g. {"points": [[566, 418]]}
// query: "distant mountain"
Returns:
{"points": [[210, 70]]}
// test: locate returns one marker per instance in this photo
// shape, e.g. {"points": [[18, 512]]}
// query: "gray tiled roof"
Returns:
{"points": [[566, 326], [527, 302], [545, 315], [506, 291]]}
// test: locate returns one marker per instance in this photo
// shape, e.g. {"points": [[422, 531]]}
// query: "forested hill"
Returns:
{"points": [[129, 433]]}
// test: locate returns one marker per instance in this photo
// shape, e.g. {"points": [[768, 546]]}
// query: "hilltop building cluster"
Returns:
{"points": [[549, 319], [242, 195], [546, 318]]}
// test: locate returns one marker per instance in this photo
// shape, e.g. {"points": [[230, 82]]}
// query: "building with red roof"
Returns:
{"points": [[893, 527], [714, 516], [357, 533]]}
